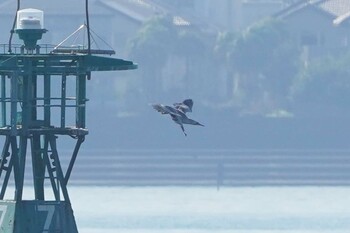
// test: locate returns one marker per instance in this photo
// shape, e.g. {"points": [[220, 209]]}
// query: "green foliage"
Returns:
{"points": [[189, 43], [158, 38], [258, 46], [158, 43], [224, 45], [262, 65], [266, 61], [325, 81], [153, 40]]}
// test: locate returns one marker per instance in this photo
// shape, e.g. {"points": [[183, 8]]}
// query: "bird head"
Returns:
{"points": [[197, 123]]}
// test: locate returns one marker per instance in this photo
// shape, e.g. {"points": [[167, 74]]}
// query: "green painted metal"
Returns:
{"points": [[30, 37], [3, 102], [58, 64], [7, 215], [36, 216], [27, 121]]}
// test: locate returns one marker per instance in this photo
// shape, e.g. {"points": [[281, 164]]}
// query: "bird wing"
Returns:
{"points": [[163, 109], [160, 108], [185, 106], [189, 103]]}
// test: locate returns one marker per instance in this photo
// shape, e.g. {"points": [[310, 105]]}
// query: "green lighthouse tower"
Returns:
{"points": [[28, 100]]}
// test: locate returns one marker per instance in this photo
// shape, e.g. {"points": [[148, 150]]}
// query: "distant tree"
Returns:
{"points": [[267, 62], [324, 84], [151, 48], [271, 76], [225, 43], [256, 46], [190, 44], [157, 41], [191, 47], [223, 48]]}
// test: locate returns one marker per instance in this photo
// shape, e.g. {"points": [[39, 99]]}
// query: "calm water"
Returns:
{"points": [[207, 210]]}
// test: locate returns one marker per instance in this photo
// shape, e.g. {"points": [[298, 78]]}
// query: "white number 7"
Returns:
{"points": [[3, 210], [50, 209]]}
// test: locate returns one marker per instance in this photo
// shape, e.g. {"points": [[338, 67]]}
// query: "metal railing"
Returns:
{"points": [[54, 49], [18, 49]]}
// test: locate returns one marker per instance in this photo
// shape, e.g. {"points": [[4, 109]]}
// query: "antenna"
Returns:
{"points": [[13, 26], [88, 25], [88, 32]]}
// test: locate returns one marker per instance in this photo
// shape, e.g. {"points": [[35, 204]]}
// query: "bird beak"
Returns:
{"points": [[200, 124]]}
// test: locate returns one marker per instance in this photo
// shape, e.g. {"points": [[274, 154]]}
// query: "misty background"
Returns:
{"points": [[262, 74], [270, 82]]}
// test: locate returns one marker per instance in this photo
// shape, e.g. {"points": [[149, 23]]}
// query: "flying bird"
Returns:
{"points": [[178, 112]]}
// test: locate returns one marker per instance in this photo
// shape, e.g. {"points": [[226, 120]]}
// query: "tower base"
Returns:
{"points": [[36, 216]]}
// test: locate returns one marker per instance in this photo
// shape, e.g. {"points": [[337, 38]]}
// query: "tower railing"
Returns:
{"points": [[54, 49]]}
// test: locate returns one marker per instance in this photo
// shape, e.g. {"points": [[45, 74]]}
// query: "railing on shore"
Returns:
{"points": [[211, 167]]}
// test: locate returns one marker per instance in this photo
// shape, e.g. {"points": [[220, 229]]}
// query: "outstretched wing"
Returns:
{"points": [[189, 103], [163, 109], [185, 106]]}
